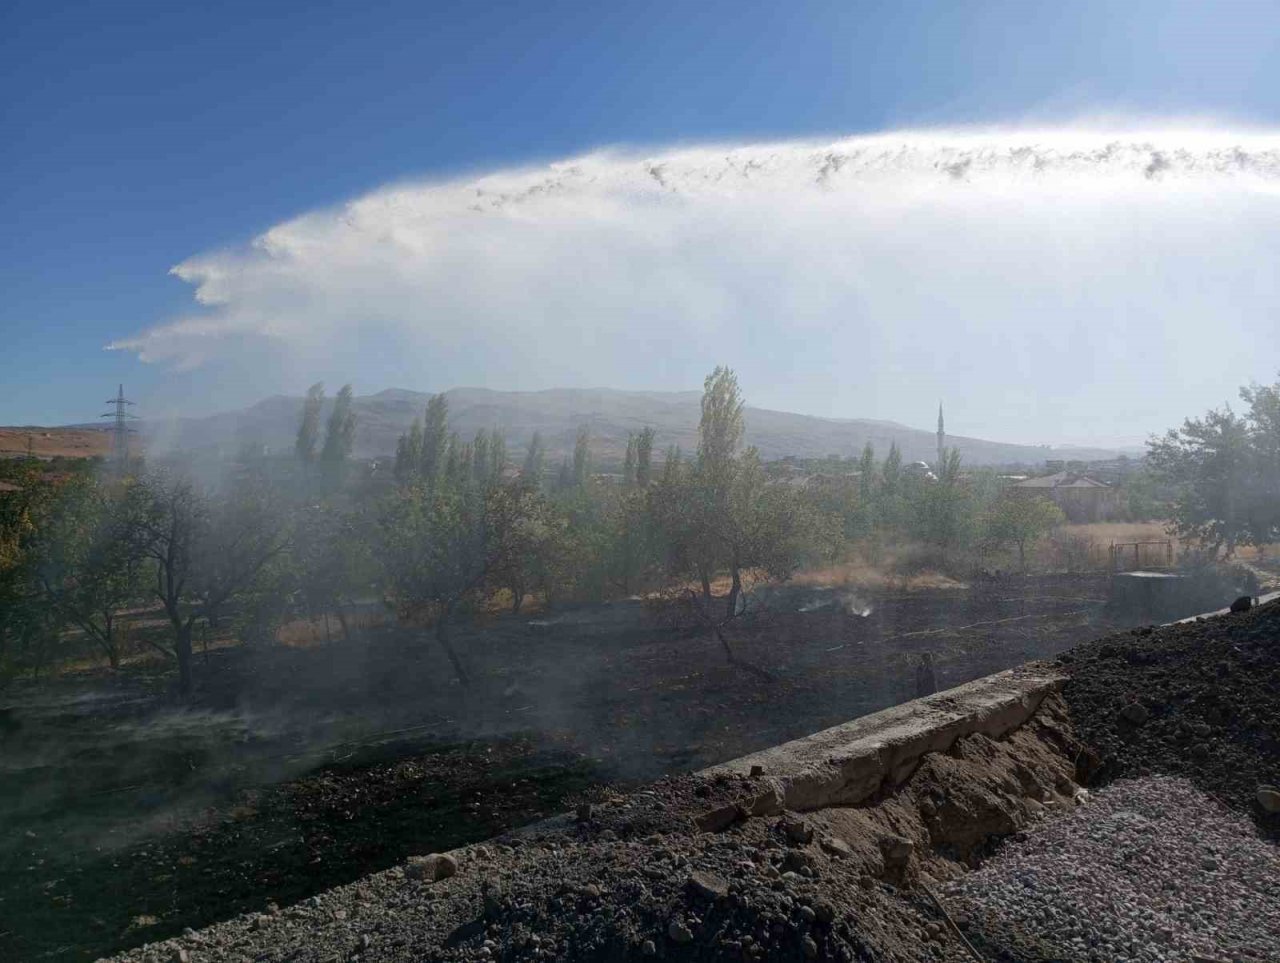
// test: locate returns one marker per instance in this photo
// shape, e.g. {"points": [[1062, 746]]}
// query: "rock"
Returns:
{"points": [[768, 803], [808, 914], [836, 846], [796, 861], [825, 911], [180, 955], [1135, 713], [1269, 798], [649, 948], [897, 849], [432, 868], [584, 812], [796, 830], [678, 932], [757, 771], [810, 948], [721, 818], [708, 885]]}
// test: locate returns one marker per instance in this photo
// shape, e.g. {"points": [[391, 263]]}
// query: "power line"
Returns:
{"points": [[121, 431]]}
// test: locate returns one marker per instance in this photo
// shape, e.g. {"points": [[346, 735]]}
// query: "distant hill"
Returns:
{"points": [[609, 414]]}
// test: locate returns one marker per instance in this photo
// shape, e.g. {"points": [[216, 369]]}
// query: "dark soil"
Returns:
{"points": [[278, 844], [634, 878], [292, 770], [1209, 692]]}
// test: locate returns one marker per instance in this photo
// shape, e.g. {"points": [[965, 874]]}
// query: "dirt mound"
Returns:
{"points": [[1198, 699], [682, 871]]}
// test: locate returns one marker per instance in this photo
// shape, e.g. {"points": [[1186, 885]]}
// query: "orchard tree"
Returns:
{"points": [[86, 564], [204, 550], [1021, 520]]}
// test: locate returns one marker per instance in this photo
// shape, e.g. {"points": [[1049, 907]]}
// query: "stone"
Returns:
{"points": [[1135, 713], [825, 911], [810, 948], [721, 818], [808, 914], [897, 849], [768, 803], [796, 830], [584, 812], [835, 846], [707, 885], [432, 868], [649, 948], [757, 771], [180, 955], [1269, 798], [796, 861], [678, 932]]}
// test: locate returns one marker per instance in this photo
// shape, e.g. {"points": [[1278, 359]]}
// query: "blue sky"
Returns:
{"points": [[137, 136]]}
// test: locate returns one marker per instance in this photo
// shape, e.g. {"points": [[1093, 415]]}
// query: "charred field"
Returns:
{"points": [[131, 815]]}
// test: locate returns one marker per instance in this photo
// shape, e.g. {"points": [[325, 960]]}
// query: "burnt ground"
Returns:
{"points": [[1197, 699], [129, 815]]}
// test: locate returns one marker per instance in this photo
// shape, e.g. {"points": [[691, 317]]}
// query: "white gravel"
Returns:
{"points": [[1148, 870]]}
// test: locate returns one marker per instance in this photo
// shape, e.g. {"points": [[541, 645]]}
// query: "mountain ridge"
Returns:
{"points": [[610, 414]]}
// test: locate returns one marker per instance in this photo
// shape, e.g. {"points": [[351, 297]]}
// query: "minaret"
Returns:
{"points": [[942, 439]]}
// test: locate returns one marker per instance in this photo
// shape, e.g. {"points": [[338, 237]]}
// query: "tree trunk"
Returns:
{"points": [[705, 576], [342, 620], [182, 649], [442, 636], [735, 590], [517, 600]]}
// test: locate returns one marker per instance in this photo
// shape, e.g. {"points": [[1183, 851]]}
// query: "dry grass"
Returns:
{"points": [[864, 575], [51, 442]]}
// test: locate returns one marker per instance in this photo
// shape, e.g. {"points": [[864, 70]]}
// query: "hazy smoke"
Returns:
{"points": [[1052, 279]]}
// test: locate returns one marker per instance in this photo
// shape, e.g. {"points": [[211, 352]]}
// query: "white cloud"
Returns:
{"points": [[1052, 284]]}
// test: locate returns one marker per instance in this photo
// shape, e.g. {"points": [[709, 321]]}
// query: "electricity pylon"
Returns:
{"points": [[121, 431]]}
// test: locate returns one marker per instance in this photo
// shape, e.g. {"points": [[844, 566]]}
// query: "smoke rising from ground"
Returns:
{"points": [[1045, 282]]}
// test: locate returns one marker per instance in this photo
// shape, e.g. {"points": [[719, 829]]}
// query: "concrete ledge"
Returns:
{"points": [[844, 765]]}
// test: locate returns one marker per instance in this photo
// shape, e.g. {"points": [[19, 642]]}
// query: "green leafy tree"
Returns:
{"points": [[309, 427], [644, 457], [629, 463], [1208, 461], [435, 439], [86, 565], [1018, 520], [582, 458], [534, 461], [340, 433]]}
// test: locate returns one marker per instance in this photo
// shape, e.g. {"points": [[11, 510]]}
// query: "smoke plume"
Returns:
{"points": [[1052, 284]]}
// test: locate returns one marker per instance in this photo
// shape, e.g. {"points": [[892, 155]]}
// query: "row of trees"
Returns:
{"points": [[456, 527]]}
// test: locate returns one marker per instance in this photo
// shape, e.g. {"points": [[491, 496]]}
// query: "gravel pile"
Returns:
{"points": [[1197, 699], [1151, 870]]}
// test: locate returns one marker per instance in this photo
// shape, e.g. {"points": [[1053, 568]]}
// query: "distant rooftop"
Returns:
{"points": [[1062, 479]]}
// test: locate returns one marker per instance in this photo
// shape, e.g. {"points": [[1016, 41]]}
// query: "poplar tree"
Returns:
{"points": [[309, 427]]}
